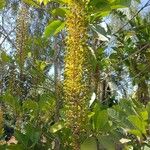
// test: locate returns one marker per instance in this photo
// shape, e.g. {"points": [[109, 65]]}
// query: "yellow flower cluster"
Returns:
{"points": [[22, 32], [75, 85], [21, 40]]}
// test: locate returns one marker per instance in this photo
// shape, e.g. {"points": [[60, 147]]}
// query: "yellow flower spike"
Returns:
{"points": [[21, 38], [22, 31], [76, 66]]}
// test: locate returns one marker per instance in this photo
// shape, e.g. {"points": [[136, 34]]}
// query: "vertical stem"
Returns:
{"points": [[57, 90]]}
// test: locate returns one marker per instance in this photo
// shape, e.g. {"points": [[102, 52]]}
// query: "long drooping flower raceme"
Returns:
{"points": [[75, 85], [22, 32], [21, 38]]}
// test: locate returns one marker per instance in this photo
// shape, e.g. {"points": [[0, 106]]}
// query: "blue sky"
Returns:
{"points": [[147, 8]]}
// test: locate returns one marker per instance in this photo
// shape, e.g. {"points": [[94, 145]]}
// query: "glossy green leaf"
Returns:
{"points": [[60, 12], [135, 132], [53, 28], [109, 4], [100, 32], [100, 4], [96, 16], [120, 4], [101, 119], [144, 115], [138, 123]]}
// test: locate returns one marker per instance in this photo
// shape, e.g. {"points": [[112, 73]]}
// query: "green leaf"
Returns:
{"points": [[107, 141], [92, 59], [46, 103], [101, 8], [60, 12], [135, 132], [2, 4], [100, 4], [148, 110], [42, 65], [15, 147], [53, 28], [138, 123], [33, 133], [146, 147], [11, 101], [32, 3], [120, 4], [43, 1], [138, 1], [89, 144], [30, 104], [109, 4], [3, 147], [5, 57], [56, 127], [93, 16], [128, 147], [128, 106], [141, 67], [101, 119], [100, 32], [91, 114], [144, 115], [113, 114], [23, 139], [113, 56], [57, 1]]}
